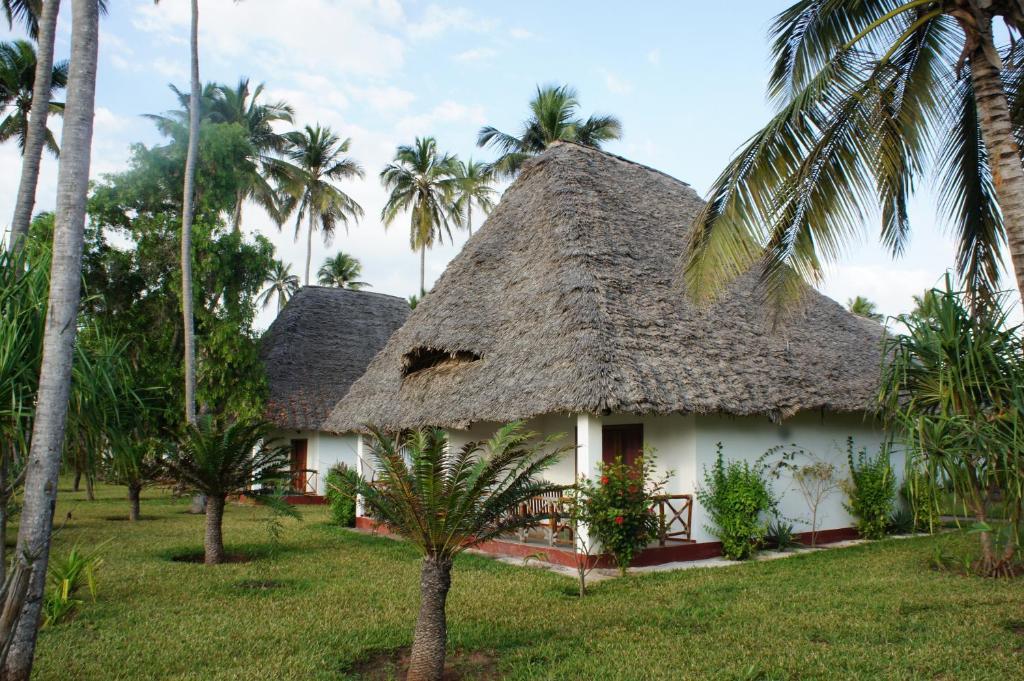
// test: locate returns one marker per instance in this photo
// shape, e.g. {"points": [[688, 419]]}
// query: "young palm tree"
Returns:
{"points": [[446, 501], [425, 184], [341, 271], [862, 307], [216, 460], [318, 161], [17, 78], [474, 184], [280, 283], [553, 118], [871, 95], [40, 495]]}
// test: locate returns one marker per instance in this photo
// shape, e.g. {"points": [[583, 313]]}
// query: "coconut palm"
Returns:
{"points": [[443, 502], [341, 271], [424, 183], [280, 283], [871, 97], [17, 79], [862, 307], [553, 118], [474, 185], [318, 160], [217, 459], [187, 216], [40, 495], [24, 12]]}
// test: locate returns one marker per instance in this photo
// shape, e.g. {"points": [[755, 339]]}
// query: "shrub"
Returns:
{"points": [[736, 495], [922, 496], [870, 491], [617, 508], [67, 577], [780, 535], [341, 485]]}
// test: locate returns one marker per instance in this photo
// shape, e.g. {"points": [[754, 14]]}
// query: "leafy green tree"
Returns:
{"points": [[217, 459], [423, 182], [342, 271], [318, 161], [444, 502], [17, 82], [862, 307], [280, 283], [474, 185], [870, 97], [553, 117]]}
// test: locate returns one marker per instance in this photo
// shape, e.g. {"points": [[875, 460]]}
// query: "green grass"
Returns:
{"points": [[872, 611]]}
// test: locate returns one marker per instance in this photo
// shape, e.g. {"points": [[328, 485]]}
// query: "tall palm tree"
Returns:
{"points": [[17, 78], [862, 307], [424, 183], [871, 95], [280, 283], [318, 160], [40, 496], [474, 185], [44, 28], [553, 117], [187, 216], [445, 501], [341, 271]]}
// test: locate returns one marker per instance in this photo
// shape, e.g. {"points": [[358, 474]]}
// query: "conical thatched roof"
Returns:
{"points": [[568, 300], [320, 343]]}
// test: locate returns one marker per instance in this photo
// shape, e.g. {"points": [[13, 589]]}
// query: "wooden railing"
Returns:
{"points": [[304, 481], [675, 517]]}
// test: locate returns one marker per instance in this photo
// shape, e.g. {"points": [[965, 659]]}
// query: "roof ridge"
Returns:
{"points": [[617, 157], [353, 291]]}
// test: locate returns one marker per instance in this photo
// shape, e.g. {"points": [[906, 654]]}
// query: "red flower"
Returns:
{"points": [[619, 520], [604, 479], [632, 489]]}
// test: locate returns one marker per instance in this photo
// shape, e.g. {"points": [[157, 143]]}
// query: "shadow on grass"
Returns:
{"points": [[384, 665], [241, 553]]}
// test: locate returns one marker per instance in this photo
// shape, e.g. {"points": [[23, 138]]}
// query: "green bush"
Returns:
{"points": [[341, 485], [736, 496], [923, 498], [870, 491], [67, 577]]}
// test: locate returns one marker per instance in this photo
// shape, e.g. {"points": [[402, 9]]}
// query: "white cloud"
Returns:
{"points": [[891, 288], [437, 20], [447, 111], [520, 34], [654, 57], [387, 98], [616, 84], [475, 55]]}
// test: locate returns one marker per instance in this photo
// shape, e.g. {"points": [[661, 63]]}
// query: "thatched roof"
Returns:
{"points": [[320, 343], [568, 300]]}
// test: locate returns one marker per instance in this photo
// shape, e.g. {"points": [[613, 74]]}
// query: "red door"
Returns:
{"points": [[626, 441], [299, 465]]}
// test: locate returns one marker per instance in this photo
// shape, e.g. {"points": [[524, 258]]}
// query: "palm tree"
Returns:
{"points": [[280, 282], [318, 160], [17, 78], [24, 12], [474, 184], [44, 28], [445, 501], [216, 460], [423, 183], [553, 118], [187, 216], [40, 495], [870, 96], [341, 271], [862, 307]]}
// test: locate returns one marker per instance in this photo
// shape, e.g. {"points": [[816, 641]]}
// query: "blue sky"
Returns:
{"points": [[686, 79]]}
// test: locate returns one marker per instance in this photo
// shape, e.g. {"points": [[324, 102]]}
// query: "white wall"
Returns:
{"points": [[323, 450]]}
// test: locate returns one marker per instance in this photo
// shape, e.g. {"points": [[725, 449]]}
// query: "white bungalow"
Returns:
{"points": [[566, 310]]}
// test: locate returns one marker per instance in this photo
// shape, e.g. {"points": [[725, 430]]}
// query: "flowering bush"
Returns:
{"points": [[616, 508]]}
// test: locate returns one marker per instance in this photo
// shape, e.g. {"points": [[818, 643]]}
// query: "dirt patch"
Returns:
{"points": [[461, 665], [199, 557]]}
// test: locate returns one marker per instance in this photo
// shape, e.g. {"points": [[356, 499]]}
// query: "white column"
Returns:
{"points": [[363, 469], [588, 456]]}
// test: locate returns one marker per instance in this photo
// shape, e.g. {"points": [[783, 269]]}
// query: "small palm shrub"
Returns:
{"points": [[870, 491], [67, 577], [780, 535], [922, 496], [216, 459], [341, 484], [737, 496], [445, 501]]}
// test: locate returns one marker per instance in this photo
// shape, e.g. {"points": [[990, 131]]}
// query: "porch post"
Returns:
{"points": [[588, 456], [363, 469]]}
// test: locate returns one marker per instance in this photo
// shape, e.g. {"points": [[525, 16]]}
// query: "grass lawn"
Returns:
{"points": [[871, 611]]}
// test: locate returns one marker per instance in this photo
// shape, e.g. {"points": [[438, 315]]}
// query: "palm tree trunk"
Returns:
{"points": [[59, 336], [213, 543], [1003, 153], [236, 217], [134, 497], [423, 269], [35, 139], [78, 481], [187, 215], [90, 487], [426, 662], [469, 216], [309, 245]]}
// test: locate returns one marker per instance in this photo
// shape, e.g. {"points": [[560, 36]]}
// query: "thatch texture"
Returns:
{"points": [[319, 345], [570, 296]]}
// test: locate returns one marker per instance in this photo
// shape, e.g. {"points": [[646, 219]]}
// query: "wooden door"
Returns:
{"points": [[299, 449], [626, 441]]}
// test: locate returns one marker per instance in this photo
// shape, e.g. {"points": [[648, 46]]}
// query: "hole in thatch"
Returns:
{"points": [[422, 358]]}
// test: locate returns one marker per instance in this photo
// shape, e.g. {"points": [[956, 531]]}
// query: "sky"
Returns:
{"points": [[687, 80]]}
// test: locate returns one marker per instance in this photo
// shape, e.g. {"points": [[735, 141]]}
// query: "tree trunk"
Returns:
{"points": [[90, 488], [134, 495], [78, 482], [469, 216], [236, 217], [59, 336], [1003, 153], [423, 269], [187, 215], [35, 138], [214, 541], [426, 662], [309, 245]]}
